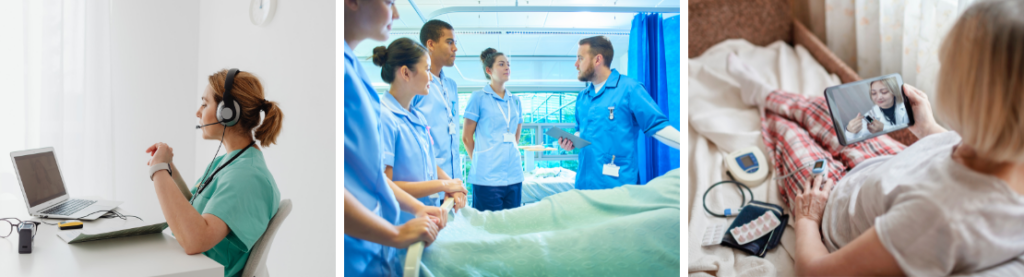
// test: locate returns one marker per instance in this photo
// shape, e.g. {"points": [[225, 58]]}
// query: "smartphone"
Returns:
{"points": [[877, 99]]}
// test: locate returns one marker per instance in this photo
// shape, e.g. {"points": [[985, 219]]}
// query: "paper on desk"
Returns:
{"points": [[577, 142], [77, 236]]}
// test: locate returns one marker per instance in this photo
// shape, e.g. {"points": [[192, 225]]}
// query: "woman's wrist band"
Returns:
{"points": [[153, 169]]}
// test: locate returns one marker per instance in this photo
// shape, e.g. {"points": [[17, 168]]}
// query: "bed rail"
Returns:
{"points": [[415, 253]]}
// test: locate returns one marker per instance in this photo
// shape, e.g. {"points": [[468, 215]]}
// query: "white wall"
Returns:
{"points": [[154, 55], [294, 57]]}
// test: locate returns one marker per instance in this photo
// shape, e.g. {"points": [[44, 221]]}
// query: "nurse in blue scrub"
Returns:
{"points": [[441, 106], [408, 158], [373, 203], [610, 113], [494, 122]]}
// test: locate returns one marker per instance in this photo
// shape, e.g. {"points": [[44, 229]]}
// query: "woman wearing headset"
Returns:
{"points": [[372, 202], [229, 208], [495, 117], [408, 157]]}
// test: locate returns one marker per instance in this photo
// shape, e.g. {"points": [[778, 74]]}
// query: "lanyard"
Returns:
{"points": [[419, 139], [210, 179], [444, 96], [508, 118]]}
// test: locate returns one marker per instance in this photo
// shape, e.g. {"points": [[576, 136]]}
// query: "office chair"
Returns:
{"points": [[256, 265]]}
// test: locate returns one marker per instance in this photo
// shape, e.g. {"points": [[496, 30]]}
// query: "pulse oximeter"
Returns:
{"points": [[819, 167]]}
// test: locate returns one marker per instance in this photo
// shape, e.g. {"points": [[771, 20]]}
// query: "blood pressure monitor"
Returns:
{"points": [[748, 165]]}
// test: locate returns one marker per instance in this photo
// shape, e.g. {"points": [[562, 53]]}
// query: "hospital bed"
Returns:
{"points": [[544, 182], [789, 56], [631, 230]]}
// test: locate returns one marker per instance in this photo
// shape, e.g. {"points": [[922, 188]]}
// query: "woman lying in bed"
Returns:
{"points": [[951, 202]]}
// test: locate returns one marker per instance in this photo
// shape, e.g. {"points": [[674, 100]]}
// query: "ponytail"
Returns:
{"points": [[267, 132]]}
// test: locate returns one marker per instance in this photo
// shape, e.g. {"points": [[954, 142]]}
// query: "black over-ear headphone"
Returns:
{"points": [[228, 111]]}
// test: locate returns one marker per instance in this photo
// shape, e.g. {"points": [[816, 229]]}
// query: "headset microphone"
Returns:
{"points": [[201, 126]]}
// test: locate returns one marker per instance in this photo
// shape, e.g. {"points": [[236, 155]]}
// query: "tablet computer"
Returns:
{"points": [[577, 142], [868, 108]]}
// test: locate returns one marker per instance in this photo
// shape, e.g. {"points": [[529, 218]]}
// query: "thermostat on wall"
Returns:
{"points": [[748, 166]]}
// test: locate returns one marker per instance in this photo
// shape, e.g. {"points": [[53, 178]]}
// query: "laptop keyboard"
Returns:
{"points": [[69, 207]]}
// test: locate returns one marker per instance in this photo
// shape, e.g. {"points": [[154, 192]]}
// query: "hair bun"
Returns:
{"points": [[380, 55], [487, 52]]}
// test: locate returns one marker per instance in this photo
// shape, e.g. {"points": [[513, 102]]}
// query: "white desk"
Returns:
{"points": [[147, 255]]}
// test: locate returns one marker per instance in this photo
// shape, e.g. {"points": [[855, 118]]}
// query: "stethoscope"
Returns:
{"points": [[209, 179]]}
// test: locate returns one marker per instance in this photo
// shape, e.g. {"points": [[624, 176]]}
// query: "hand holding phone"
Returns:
{"points": [[875, 126], [926, 124]]}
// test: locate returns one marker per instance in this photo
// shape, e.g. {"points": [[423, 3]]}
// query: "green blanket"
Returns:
{"points": [[626, 231]]}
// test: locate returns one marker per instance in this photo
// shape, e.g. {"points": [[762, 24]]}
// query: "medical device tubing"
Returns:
{"points": [[415, 253]]}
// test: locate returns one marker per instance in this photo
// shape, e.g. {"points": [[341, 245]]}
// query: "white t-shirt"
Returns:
{"points": [[935, 216], [598, 87]]}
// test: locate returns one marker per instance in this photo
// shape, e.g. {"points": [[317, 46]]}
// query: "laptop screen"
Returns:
{"points": [[40, 177]]}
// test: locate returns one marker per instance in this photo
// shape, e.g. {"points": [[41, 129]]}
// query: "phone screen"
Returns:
{"points": [[868, 108]]}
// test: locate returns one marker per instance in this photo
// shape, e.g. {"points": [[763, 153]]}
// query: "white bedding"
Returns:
{"points": [[720, 123], [544, 182], [625, 231]]}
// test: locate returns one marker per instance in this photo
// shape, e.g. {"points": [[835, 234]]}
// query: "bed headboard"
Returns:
{"points": [[760, 22]]}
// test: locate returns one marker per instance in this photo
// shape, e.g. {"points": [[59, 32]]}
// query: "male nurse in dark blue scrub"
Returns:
{"points": [[609, 113]]}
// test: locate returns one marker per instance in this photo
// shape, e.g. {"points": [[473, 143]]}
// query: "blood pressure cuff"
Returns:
{"points": [[749, 213]]}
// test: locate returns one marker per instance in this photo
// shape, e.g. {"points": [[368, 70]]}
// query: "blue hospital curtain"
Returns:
{"points": [[654, 61]]}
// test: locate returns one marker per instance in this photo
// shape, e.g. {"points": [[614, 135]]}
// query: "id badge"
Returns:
{"points": [[510, 138], [611, 170], [451, 128]]}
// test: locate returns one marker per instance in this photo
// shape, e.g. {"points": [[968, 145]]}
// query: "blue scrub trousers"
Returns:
{"points": [[487, 198]]}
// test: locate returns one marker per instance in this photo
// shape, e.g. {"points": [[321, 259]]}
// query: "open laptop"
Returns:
{"points": [[42, 184]]}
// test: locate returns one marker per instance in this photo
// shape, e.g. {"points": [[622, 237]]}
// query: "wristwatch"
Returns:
{"points": [[158, 167]]}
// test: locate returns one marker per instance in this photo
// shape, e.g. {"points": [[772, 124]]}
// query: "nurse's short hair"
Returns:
{"points": [[980, 89], [401, 52], [432, 30], [600, 45]]}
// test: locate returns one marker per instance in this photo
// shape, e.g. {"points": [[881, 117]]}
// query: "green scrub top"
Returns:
{"points": [[244, 196]]}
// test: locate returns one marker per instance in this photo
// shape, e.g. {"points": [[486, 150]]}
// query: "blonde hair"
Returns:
{"points": [[893, 87], [980, 92], [247, 90]]}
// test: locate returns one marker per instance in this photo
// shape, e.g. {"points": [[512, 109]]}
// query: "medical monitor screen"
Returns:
{"points": [[747, 162], [868, 108], [40, 177], [818, 164]]}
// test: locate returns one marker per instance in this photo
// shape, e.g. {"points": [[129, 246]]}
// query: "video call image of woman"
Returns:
{"points": [[886, 113]]}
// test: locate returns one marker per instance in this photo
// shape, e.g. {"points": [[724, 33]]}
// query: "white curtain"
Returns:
{"points": [[66, 92], [878, 37], [12, 96]]}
